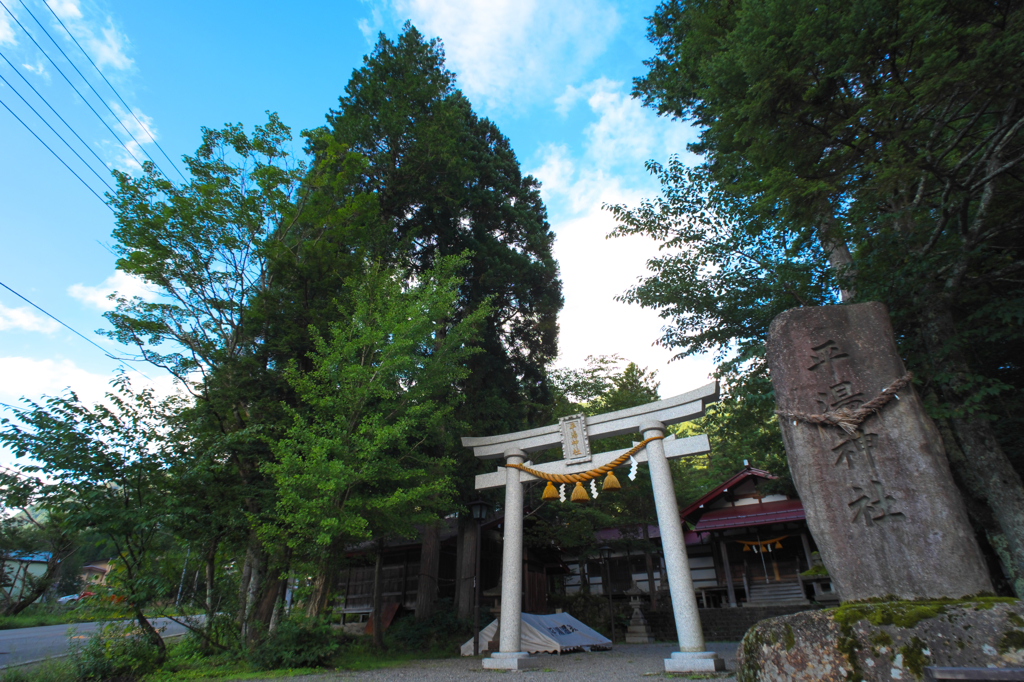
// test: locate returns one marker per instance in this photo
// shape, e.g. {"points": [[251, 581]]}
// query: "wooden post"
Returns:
{"points": [[728, 572]]}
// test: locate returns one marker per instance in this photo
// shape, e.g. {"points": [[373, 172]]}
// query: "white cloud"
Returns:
{"points": [[609, 169], [514, 51], [38, 68], [34, 378], [6, 31], [25, 319], [109, 49], [125, 285], [371, 27], [104, 44], [66, 9]]}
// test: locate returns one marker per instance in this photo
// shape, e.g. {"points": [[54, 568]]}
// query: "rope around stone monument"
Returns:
{"points": [[847, 419]]}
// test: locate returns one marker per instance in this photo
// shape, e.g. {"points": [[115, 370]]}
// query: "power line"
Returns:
{"points": [[106, 125], [88, 340], [146, 128], [98, 96], [56, 155], [56, 133], [29, 84]]}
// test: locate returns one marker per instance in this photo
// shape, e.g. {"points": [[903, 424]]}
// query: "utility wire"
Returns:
{"points": [[61, 50], [146, 128], [56, 133], [88, 340], [70, 83], [59, 159], [29, 84]]}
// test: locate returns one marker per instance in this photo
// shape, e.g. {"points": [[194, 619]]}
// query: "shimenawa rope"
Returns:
{"points": [[585, 475], [579, 494], [850, 419]]}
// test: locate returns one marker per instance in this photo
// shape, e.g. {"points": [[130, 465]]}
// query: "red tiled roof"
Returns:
{"points": [[744, 515]]}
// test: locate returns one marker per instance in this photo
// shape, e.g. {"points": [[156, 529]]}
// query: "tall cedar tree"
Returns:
{"points": [[448, 182], [891, 133]]}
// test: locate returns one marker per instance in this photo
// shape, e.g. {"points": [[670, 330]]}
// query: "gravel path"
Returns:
{"points": [[624, 662]]}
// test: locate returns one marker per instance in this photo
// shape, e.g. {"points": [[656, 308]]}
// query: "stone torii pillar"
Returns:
{"points": [[574, 434]]}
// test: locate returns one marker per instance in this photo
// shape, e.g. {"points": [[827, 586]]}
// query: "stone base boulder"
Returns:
{"points": [[884, 641]]}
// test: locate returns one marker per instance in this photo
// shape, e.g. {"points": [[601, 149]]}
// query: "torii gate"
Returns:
{"points": [[649, 420]]}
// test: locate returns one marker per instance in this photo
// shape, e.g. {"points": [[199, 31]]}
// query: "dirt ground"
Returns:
{"points": [[624, 662]]}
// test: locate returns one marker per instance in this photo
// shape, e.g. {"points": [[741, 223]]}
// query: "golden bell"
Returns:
{"points": [[610, 483], [579, 494], [550, 493]]}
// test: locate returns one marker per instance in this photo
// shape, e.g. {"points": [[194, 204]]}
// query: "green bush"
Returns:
{"points": [[441, 631], [296, 643], [118, 652]]}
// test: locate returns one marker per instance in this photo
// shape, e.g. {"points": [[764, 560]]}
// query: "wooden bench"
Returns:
{"points": [[934, 673]]}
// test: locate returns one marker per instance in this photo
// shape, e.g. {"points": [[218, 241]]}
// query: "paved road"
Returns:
{"points": [[31, 644]]}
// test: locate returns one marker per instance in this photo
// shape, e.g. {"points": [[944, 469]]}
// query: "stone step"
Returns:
{"points": [[792, 593]]}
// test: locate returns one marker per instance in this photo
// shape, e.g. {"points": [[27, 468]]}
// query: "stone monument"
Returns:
{"points": [[639, 631], [867, 461]]}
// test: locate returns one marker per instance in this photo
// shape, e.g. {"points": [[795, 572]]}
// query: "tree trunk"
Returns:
{"points": [[430, 560], [252, 595], [991, 475], [211, 575], [378, 590], [838, 253], [153, 636], [650, 569], [243, 587], [467, 567]]}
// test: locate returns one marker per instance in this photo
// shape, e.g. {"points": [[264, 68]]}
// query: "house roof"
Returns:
{"points": [[745, 515], [734, 481]]}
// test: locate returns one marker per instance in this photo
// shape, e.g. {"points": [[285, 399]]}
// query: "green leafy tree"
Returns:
{"points": [[356, 463], [880, 140], [245, 259], [104, 469]]}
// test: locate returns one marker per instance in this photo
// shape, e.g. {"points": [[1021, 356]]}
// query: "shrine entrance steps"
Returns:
{"points": [[777, 594]]}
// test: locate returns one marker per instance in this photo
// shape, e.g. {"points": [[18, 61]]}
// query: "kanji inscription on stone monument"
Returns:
{"points": [[877, 492]]}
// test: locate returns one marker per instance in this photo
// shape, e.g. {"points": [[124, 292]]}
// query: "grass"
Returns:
{"points": [[353, 657]]}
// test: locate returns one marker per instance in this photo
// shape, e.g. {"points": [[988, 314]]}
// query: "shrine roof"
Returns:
{"points": [[747, 515], [735, 480]]}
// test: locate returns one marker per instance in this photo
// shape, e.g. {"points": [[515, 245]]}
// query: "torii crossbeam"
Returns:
{"points": [[573, 434]]}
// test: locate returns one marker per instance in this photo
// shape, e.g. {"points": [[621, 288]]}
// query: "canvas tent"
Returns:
{"points": [[553, 633]]}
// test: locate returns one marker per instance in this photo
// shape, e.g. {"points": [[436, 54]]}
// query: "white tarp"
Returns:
{"points": [[553, 633]]}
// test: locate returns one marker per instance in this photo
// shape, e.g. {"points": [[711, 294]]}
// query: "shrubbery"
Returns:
{"points": [[117, 652], [443, 630], [296, 643]]}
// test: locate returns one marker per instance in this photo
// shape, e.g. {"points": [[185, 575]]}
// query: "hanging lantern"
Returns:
{"points": [[610, 483], [579, 494], [550, 493]]}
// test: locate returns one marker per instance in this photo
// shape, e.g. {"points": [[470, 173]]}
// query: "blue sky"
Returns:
{"points": [[555, 77]]}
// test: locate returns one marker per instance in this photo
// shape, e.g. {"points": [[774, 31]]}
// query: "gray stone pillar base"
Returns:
{"points": [[519, 660], [694, 662]]}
